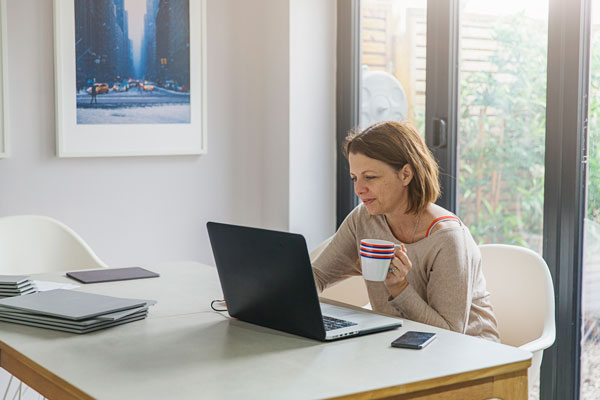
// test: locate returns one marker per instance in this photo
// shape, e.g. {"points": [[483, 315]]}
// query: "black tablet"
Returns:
{"points": [[111, 274]]}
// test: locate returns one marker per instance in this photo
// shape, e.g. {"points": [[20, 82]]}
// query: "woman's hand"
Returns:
{"points": [[395, 282]]}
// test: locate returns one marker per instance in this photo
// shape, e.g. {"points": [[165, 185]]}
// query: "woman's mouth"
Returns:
{"points": [[366, 202]]}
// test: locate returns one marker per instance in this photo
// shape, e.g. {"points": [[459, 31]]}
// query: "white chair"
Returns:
{"points": [[522, 294], [32, 244], [351, 291]]}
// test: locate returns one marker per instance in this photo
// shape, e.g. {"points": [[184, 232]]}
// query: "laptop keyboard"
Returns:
{"points": [[334, 323]]}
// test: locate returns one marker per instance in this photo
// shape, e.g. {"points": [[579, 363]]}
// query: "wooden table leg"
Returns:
{"points": [[37, 377]]}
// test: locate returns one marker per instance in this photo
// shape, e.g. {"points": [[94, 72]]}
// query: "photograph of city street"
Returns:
{"points": [[132, 61]]}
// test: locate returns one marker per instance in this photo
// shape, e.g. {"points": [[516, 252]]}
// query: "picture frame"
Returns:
{"points": [[4, 145], [82, 130]]}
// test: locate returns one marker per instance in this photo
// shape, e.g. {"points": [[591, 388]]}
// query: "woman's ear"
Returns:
{"points": [[406, 174]]}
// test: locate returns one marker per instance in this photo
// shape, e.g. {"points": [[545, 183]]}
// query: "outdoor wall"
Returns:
{"points": [[142, 210]]}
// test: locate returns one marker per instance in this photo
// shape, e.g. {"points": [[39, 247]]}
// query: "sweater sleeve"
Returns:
{"points": [[450, 269], [339, 260]]}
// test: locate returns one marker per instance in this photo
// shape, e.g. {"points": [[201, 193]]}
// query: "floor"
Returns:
{"points": [[12, 392]]}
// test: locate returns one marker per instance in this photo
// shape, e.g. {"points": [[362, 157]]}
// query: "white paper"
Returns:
{"points": [[43, 286]]}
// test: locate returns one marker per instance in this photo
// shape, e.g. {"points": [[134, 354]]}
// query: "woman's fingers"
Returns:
{"points": [[404, 259], [401, 255], [401, 269], [401, 263]]}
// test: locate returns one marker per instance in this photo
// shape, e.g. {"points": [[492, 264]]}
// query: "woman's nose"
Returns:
{"points": [[359, 188]]}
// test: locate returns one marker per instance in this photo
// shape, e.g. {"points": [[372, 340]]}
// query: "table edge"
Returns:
{"points": [[36, 376], [463, 377]]}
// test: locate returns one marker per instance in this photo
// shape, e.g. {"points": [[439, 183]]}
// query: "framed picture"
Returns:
{"points": [[3, 83], [130, 77]]}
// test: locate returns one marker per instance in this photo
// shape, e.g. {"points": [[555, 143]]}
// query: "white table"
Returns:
{"points": [[185, 350]]}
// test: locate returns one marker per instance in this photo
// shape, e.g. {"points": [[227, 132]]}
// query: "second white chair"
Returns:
{"points": [[32, 244], [522, 294]]}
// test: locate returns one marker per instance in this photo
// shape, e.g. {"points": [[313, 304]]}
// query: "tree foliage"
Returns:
{"points": [[593, 173], [501, 137]]}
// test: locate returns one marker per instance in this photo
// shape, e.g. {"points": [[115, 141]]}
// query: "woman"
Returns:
{"points": [[435, 276]]}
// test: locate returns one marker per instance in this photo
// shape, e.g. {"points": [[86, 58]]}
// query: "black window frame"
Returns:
{"points": [[347, 98], [564, 190]]}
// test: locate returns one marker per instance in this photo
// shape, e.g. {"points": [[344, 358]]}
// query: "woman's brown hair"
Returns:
{"points": [[398, 144]]}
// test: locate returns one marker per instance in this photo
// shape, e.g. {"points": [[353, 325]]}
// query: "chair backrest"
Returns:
{"points": [[351, 291], [521, 292], [34, 244]]}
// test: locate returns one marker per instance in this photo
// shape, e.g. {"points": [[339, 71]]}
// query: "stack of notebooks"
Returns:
{"points": [[71, 311], [15, 285]]}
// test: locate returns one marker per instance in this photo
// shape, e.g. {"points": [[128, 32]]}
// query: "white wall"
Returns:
{"points": [[138, 210], [312, 126]]}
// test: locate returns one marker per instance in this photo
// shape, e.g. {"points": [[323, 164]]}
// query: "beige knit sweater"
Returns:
{"points": [[446, 285]]}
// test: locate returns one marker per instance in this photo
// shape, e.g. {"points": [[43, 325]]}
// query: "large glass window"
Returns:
{"points": [[489, 120], [501, 125], [393, 61], [590, 335]]}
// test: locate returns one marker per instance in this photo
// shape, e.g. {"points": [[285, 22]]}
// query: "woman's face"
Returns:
{"points": [[380, 187]]}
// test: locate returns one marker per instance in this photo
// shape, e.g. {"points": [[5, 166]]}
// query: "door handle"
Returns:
{"points": [[440, 133]]}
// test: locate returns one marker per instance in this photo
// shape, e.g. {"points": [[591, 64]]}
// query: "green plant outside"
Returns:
{"points": [[593, 173], [501, 139]]}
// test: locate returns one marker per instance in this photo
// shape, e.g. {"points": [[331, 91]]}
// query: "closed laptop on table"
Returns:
{"points": [[267, 279]]}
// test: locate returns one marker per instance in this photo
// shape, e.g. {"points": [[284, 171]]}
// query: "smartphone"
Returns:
{"points": [[414, 340]]}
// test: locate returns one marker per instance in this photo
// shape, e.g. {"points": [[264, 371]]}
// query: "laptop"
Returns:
{"points": [[267, 280]]}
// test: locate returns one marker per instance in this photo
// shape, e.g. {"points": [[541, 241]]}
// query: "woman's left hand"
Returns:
{"points": [[395, 281]]}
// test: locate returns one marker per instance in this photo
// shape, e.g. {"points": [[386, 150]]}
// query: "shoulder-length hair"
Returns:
{"points": [[398, 144]]}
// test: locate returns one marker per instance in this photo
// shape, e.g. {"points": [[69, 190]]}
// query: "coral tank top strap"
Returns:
{"points": [[441, 219]]}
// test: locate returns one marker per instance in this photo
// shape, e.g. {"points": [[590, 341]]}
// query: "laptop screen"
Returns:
{"points": [[267, 279]]}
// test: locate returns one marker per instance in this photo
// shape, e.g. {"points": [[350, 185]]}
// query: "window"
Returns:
{"points": [[502, 120], [505, 115], [393, 34], [590, 334]]}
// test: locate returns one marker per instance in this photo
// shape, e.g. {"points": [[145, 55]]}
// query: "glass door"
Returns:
{"points": [[502, 120], [505, 98], [501, 129], [590, 329], [393, 61]]}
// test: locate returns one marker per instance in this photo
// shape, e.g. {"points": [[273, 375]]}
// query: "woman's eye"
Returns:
{"points": [[370, 177], [353, 178]]}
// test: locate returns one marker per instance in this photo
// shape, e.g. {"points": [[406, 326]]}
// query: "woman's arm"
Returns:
{"points": [[449, 271], [339, 260]]}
